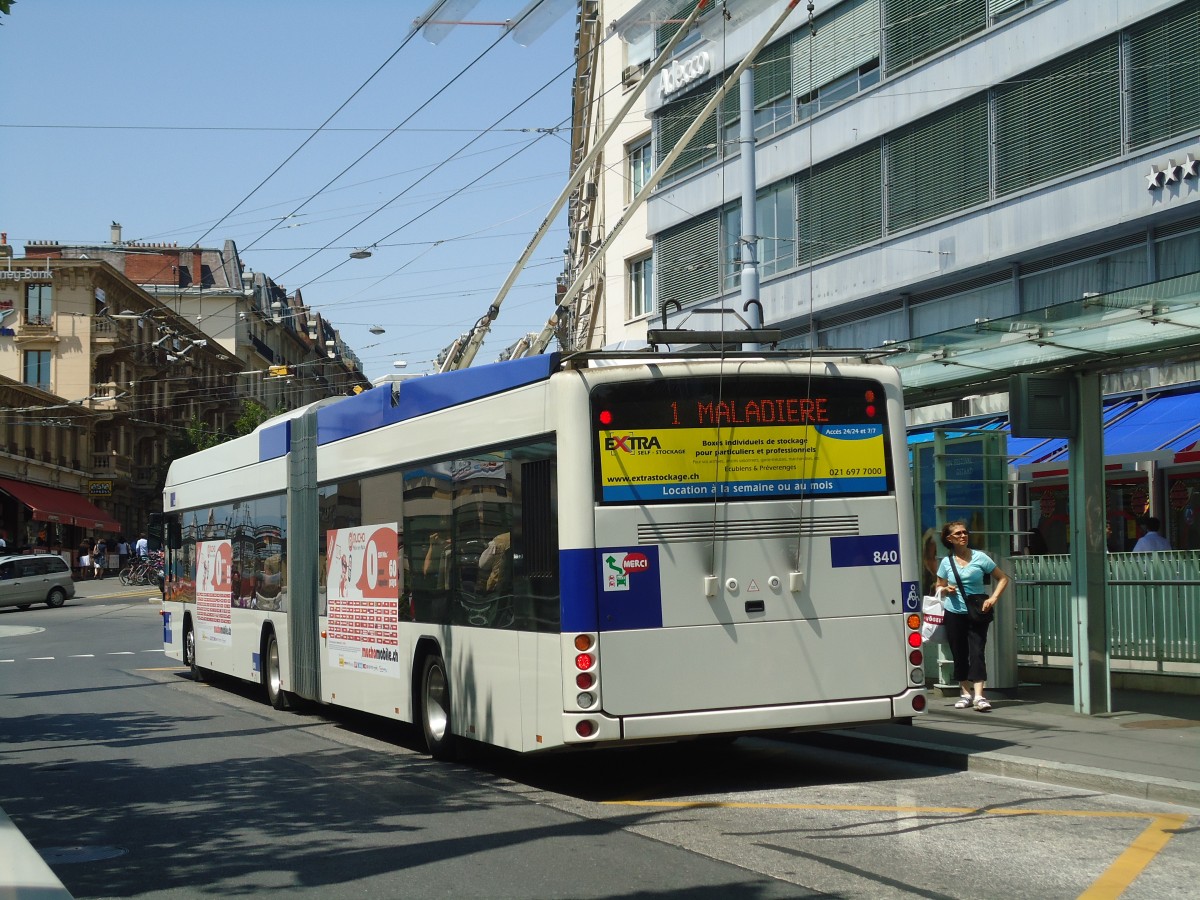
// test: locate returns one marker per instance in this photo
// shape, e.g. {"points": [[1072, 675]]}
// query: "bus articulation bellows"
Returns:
{"points": [[565, 550]]}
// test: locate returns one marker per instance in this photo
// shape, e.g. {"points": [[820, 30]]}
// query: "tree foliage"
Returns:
{"points": [[199, 435], [6, 8]]}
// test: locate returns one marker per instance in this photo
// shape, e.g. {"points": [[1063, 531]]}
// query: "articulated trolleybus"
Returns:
{"points": [[565, 550]]}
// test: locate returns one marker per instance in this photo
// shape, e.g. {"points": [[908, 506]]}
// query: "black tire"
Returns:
{"points": [[126, 575], [189, 651], [435, 708], [56, 598], [272, 676]]}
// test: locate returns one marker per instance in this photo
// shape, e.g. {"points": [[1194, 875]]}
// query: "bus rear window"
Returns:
{"points": [[736, 438]]}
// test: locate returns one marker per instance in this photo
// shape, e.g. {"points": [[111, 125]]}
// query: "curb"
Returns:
{"points": [[1142, 787]]}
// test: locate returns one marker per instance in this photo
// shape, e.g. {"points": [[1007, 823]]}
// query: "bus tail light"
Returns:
{"points": [[916, 657], [914, 639], [587, 673], [918, 703], [585, 728], [914, 621]]}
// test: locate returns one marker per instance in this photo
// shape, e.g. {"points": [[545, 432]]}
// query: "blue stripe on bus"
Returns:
{"points": [[578, 587], [630, 591], [866, 550], [274, 441], [418, 396], [788, 487]]}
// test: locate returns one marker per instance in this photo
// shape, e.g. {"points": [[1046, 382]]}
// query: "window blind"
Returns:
{"points": [[1059, 118], [1164, 76], [674, 119], [688, 261], [846, 38], [938, 165], [839, 204], [915, 29]]}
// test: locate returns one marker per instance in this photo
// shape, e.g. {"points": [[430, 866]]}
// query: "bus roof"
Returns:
{"points": [[387, 404]]}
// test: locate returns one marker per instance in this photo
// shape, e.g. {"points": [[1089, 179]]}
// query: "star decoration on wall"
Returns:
{"points": [[1190, 167], [1155, 178]]}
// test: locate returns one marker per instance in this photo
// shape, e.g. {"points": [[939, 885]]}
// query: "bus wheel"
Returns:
{"points": [[435, 708], [272, 677], [189, 651]]}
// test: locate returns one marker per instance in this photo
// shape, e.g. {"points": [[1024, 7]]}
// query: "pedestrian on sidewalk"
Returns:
{"points": [[969, 609], [99, 557], [1151, 540]]}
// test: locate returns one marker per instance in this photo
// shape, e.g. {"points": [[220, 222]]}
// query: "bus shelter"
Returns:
{"points": [[1084, 339]]}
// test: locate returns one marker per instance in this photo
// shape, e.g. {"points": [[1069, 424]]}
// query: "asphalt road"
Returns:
{"points": [[133, 781]]}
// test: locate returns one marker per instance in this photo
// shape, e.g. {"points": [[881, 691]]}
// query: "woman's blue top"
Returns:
{"points": [[971, 574]]}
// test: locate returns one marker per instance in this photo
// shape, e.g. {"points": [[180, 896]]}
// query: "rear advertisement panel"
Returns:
{"points": [[740, 438]]}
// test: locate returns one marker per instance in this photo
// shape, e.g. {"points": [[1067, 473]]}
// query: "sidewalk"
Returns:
{"points": [[1148, 747]]}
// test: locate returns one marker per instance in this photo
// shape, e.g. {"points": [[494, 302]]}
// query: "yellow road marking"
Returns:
{"points": [[1130, 864], [1111, 883]]}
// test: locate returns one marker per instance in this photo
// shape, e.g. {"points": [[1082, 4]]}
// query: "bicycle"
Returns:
{"points": [[144, 571]]}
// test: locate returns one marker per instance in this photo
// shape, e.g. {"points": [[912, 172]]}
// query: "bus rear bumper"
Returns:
{"points": [[801, 716]]}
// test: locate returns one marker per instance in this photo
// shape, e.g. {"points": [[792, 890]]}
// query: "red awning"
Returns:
{"points": [[49, 504]]}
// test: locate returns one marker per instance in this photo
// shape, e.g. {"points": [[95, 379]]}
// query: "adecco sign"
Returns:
{"points": [[683, 72]]}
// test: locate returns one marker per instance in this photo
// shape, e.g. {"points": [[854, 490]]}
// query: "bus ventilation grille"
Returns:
{"points": [[679, 532]]}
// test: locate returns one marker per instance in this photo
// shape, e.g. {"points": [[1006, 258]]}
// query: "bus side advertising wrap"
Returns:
{"points": [[740, 438]]}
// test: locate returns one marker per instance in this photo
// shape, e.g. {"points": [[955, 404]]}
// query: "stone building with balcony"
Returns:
{"points": [[252, 318], [96, 377]]}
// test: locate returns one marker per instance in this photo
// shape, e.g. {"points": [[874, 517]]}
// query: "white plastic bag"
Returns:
{"points": [[933, 629]]}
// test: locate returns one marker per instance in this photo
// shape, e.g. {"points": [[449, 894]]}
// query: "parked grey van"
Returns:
{"points": [[35, 578]]}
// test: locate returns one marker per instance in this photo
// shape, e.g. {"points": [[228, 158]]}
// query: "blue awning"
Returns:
{"points": [[1131, 426], [1161, 423]]}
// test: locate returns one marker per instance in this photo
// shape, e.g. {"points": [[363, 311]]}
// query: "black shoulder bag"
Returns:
{"points": [[974, 601]]}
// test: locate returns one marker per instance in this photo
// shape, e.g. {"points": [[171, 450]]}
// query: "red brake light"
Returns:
{"points": [[586, 660], [919, 702], [606, 417], [584, 680], [916, 657], [914, 639], [585, 728]]}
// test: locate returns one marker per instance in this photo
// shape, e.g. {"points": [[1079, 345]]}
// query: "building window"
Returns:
{"points": [[39, 304], [776, 226], [641, 287], [938, 165], [916, 29], [689, 264], [641, 165], [773, 106], [675, 118], [839, 204], [1041, 115], [37, 369], [838, 90], [1164, 75], [840, 60]]}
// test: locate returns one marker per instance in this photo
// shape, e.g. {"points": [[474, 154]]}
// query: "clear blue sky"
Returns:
{"points": [[162, 115]]}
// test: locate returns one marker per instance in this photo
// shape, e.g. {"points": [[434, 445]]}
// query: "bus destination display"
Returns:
{"points": [[742, 438]]}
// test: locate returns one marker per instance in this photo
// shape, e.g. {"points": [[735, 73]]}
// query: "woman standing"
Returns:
{"points": [[970, 608]]}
